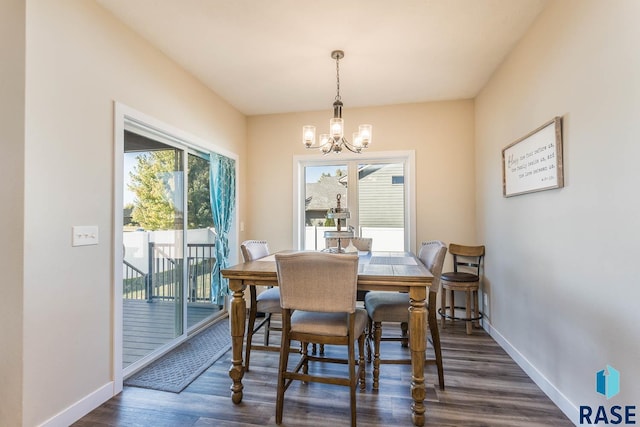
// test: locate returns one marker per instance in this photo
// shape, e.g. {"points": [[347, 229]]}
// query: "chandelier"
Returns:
{"points": [[335, 140]]}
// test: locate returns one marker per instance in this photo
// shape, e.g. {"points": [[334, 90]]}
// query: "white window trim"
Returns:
{"points": [[407, 157]]}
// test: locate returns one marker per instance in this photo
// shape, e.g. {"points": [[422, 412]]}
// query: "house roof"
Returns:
{"points": [[324, 193]]}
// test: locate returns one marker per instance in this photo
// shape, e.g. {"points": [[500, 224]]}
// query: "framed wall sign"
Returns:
{"points": [[534, 162]]}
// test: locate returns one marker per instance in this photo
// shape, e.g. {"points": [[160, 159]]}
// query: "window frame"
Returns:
{"points": [[352, 161]]}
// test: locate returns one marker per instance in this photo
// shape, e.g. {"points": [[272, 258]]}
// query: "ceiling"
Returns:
{"points": [[274, 56]]}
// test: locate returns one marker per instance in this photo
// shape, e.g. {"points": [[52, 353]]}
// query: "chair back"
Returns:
{"points": [[361, 243], [468, 257], [254, 249], [317, 281], [432, 255]]}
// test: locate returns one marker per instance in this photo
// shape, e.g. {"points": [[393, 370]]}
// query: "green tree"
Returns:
{"points": [[153, 183], [198, 200]]}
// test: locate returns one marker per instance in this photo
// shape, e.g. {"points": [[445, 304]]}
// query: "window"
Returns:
{"points": [[372, 188], [397, 180]]}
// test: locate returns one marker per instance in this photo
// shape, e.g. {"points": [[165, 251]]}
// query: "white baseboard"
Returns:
{"points": [[81, 408], [556, 396]]}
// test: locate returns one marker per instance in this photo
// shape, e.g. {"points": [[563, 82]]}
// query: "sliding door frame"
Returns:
{"points": [[124, 115]]}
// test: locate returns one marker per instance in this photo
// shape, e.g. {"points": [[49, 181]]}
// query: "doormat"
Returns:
{"points": [[177, 369]]}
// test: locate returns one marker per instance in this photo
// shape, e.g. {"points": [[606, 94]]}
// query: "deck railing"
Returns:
{"points": [[165, 273], [135, 282]]}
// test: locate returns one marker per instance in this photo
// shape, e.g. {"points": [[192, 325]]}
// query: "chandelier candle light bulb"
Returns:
{"points": [[335, 140]]}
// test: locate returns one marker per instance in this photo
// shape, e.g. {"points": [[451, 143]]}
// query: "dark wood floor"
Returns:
{"points": [[484, 387]]}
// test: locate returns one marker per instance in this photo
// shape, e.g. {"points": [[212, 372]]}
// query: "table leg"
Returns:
{"points": [[418, 346], [238, 315]]}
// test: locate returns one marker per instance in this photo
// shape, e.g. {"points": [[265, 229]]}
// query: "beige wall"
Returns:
{"points": [[441, 133], [12, 103], [559, 263], [79, 61]]}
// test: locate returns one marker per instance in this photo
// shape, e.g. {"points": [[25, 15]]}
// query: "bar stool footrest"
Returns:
{"points": [[466, 319]]}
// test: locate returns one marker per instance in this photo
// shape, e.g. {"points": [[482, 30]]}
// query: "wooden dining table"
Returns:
{"points": [[377, 271]]}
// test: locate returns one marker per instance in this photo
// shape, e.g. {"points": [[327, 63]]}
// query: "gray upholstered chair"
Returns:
{"points": [[267, 302], [318, 300], [394, 307], [361, 243]]}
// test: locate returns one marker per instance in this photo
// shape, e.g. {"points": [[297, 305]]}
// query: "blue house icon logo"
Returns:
{"points": [[608, 382]]}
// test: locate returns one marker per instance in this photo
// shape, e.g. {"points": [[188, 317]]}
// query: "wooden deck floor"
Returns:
{"points": [[484, 387], [148, 326]]}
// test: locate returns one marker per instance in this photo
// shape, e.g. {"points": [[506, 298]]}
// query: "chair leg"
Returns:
{"points": [[369, 339], [377, 335], [435, 337], [250, 326], [267, 327], [468, 311], [305, 349], [452, 307], [361, 370], [443, 307], [284, 361], [352, 381], [404, 327], [314, 348], [476, 311]]}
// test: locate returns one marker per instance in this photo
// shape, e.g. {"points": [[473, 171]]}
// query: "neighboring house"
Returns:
{"points": [[381, 189], [320, 196]]}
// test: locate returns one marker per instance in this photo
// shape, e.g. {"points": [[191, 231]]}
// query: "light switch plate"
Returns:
{"points": [[84, 235]]}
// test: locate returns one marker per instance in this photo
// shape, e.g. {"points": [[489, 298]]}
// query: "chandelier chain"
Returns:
{"points": [[337, 78]]}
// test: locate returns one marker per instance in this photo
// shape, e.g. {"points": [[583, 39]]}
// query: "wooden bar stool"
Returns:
{"points": [[468, 281]]}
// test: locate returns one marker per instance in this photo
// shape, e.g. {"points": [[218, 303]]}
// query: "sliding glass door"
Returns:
{"points": [[168, 245]]}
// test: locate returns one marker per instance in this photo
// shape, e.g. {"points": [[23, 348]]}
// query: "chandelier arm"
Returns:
{"points": [[350, 147]]}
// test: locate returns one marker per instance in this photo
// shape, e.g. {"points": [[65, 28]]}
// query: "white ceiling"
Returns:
{"points": [[273, 56]]}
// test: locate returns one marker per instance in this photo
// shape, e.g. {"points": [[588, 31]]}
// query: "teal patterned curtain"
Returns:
{"points": [[222, 184]]}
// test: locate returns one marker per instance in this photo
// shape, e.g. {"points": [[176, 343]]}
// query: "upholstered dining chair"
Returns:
{"points": [[318, 300], [361, 243], [465, 277], [394, 307], [267, 302]]}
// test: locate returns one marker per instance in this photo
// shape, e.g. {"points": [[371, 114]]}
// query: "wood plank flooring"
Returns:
{"points": [[484, 387]]}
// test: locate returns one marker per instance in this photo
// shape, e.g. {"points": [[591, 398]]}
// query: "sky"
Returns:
{"points": [[313, 173]]}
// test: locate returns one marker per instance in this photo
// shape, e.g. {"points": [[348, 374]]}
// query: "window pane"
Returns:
{"points": [[381, 205], [322, 185], [152, 247], [200, 242]]}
